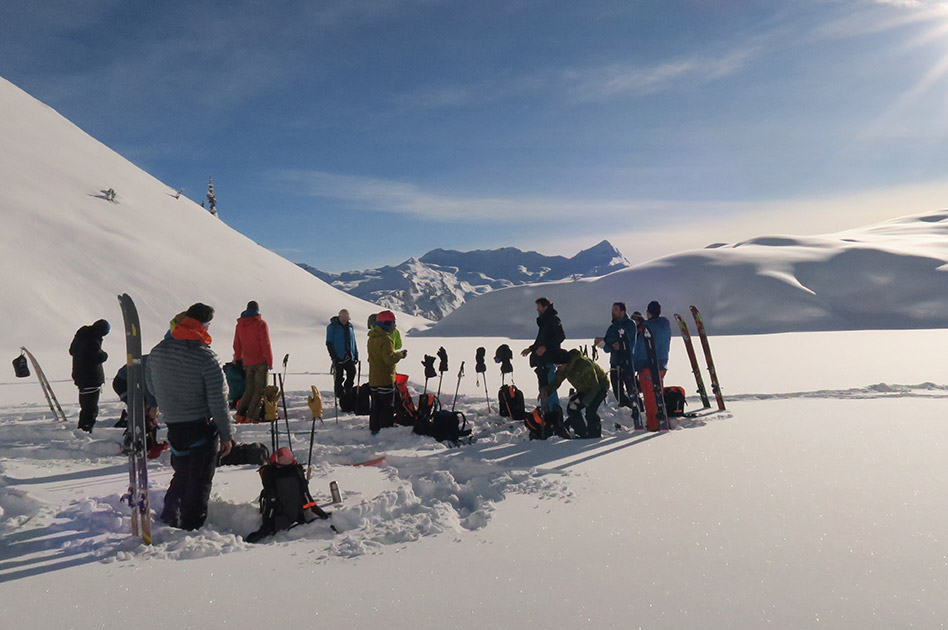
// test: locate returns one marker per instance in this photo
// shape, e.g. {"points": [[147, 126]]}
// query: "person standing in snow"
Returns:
{"points": [[619, 343], [252, 347], [87, 371], [661, 332], [186, 379], [341, 343], [549, 337], [591, 385], [382, 361]]}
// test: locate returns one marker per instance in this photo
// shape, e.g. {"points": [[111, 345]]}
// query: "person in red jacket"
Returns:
{"points": [[252, 348]]}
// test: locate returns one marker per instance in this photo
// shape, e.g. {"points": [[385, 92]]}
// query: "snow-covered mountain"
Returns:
{"points": [[442, 280], [66, 251], [888, 275]]}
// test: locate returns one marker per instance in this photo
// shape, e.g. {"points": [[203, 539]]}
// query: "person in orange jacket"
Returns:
{"points": [[252, 348]]}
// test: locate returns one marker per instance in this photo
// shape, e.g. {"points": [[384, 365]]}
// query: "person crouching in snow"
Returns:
{"points": [[591, 385], [186, 379], [382, 361]]}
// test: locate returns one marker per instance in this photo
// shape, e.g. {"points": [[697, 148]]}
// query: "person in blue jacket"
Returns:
{"points": [[619, 342], [341, 343], [661, 332]]}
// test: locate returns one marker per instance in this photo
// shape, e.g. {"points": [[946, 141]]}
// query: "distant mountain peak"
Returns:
{"points": [[441, 280]]}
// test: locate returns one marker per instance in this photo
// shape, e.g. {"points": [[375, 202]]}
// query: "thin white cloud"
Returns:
{"points": [[381, 195], [616, 81]]}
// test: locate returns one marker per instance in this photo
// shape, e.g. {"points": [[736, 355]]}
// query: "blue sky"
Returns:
{"points": [[354, 133]]}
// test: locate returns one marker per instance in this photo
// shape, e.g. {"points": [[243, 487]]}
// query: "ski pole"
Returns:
{"points": [[286, 418], [456, 389]]}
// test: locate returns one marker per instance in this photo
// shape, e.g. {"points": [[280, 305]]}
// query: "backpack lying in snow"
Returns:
{"points": [[674, 400], [542, 425], [428, 406], [285, 501], [242, 454], [405, 412], [449, 426]]}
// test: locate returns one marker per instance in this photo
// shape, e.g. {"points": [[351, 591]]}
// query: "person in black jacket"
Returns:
{"points": [[87, 371], [549, 338]]}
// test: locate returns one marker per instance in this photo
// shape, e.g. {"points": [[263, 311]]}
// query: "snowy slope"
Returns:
{"points": [[889, 275], [442, 280], [66, 251]]}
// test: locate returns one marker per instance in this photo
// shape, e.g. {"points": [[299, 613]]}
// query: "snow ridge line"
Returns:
{"points": [[878, 390]]}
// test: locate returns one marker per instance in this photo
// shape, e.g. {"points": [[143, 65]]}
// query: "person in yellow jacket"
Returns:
{"points": [[591, 385], [382, 361]]}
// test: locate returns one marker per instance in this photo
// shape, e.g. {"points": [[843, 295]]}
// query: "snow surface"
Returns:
{"points": [[816, 501]]}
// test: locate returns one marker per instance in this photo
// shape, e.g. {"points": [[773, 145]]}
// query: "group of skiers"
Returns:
{"points": [[183, 377], [628, 357]]}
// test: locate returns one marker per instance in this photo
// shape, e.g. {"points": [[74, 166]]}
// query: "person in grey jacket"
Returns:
{"points": [[186, 379]]}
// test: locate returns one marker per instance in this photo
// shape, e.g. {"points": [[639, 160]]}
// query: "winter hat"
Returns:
{"points": [[201, 312], [101, 328], [253, 306], [654, 308], [385, 316], [637, 316]]}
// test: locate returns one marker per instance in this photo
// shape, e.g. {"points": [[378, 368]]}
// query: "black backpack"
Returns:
{"points": [[542, 425], [285, 501], [347, 402], [20, 367], [428, 405], [363, 400], [449, 426], [242, 454], [674, 400], [511, 403]]}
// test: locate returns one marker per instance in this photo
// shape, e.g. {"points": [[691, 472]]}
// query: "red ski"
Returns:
{"points": [[715, 385]]}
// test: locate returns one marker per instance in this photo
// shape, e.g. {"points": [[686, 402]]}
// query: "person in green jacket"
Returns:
{"points": [[394, 334], [591, 385], [382, 360]]}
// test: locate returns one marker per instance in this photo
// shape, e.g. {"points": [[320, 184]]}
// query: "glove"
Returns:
{"points": [[428, 362], [443, 355], [480, 366], [315, 403], [503, 355]]}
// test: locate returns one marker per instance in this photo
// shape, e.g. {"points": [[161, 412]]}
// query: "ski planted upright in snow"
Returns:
{"points": [[715, 385], [658, 389], [137, 463], [695, 369]]}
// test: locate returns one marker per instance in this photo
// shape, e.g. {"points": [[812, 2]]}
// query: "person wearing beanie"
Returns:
{"points": [[341, 343], [550, 336], [87, 371], [591, 386], [382, 361], [661, 331], [252, 349], [186, 379]]}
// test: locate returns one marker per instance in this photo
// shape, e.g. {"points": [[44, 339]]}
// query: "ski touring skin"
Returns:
{"points": [[51, 399], [658, 389], [695, 368], [137, 496], [703, 335]]}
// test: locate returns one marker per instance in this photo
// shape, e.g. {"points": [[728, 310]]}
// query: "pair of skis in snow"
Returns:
{"points": [[695, 369], [137, 496]]}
